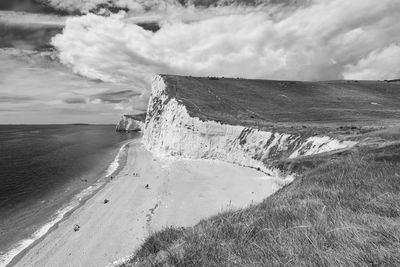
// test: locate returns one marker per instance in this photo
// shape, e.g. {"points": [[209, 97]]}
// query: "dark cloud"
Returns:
{"points": [[76, 111], [20, 5], [7, 98], [32, 6], [8, 110], [114, 6], [115, 97], [208, 3], [106, 97], [27, 36], [75, 100]]}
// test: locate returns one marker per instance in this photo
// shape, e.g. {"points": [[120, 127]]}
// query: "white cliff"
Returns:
{"points": [[130, 123], [170, 131]]}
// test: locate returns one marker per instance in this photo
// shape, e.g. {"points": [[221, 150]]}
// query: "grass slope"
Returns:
{"points": [[342, 211], [261, 103]]}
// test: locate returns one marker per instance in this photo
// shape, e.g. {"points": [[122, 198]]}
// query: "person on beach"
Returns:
{"points": [[147, 186]]}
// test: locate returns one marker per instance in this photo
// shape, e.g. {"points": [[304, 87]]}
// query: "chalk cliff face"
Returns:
{"points": [[130, 123], [170, 131]]}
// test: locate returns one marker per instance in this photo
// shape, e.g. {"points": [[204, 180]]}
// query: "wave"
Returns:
{"points": [[113, 167], [16, 249]]}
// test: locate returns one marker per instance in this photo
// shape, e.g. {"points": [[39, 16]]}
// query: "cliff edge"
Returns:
{"points": [[192, 118], [257, 123]]}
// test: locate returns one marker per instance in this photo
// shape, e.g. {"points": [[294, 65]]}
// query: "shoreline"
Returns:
{"points": [[112, 231], [53, 223]]}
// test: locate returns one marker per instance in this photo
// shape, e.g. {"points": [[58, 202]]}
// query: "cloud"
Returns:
{"points": [[315, 42], [31, 19], [157, 6], [28, 31], [35, 88], [21, 5], [270, 39], [88, 5], [383, 63], [12, 98], [75, 100], [115, 97], [109, 96], [26, 37]]}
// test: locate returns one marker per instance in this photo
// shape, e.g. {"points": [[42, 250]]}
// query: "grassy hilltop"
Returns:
{"points": [[266, 103], [343, 209]]}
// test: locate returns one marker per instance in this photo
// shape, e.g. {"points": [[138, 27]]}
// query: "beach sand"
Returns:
{"points": [[181, 192]]}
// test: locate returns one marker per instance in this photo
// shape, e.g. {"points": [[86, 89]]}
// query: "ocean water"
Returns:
{"points": [[46, 171]]}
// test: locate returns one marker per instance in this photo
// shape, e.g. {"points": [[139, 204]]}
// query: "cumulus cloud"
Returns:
{"points": [[323, 40]]}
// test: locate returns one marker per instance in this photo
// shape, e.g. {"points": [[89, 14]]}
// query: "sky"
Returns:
{"points": [[91, 65]]}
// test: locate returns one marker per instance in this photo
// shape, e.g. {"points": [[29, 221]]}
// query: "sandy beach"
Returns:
{"points": [[181, 192]]}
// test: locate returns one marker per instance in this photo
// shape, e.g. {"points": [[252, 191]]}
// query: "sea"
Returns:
{"points": [[46, 171]]}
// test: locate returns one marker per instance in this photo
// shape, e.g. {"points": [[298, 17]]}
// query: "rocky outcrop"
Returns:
{"points": [[170, 131], [130, 123]]}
